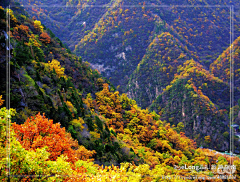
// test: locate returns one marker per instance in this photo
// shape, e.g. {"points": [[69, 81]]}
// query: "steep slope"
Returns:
{"points": [[113, 36], [121, 133], [198, 100], [201, 23], [46, 78], [44, 75], [156, 69], [117, 43], [205, 25], [67, 18], [221, 66]]}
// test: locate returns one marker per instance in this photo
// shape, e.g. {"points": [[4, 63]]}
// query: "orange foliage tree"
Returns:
{"points": [[1, 100], [44, 37], [39, 131]]}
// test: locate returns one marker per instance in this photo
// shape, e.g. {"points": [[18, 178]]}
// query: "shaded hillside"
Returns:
{"points": [[116, 44], [221, 66], [157, 68], [120, 39], [204, 26], [198, 100], [114, 35], [67, 17], [115, 139], [45, 76]]}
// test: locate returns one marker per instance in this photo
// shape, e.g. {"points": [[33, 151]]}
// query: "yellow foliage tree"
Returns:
{"points": [[38, 25], [78, 123], [71, 107], [207, 139], [1, 100], [55, 64]]}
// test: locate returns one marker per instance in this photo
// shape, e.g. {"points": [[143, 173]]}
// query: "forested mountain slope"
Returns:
{"points": [[92, 124], [157, 68], [114, 35], [198, 99], [221, 68], [140, 45]]}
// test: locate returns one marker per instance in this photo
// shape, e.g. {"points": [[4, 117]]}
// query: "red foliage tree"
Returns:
{"points": [[38, 132], [44, 37]]}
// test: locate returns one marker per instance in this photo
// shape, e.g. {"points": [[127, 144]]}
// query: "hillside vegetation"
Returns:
{"points": [[68, 123]]}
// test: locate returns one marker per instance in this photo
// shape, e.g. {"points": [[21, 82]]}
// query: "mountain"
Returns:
{"points": [[90, 131], [221, 68], [156, 69], [115, 45], [198, 100], [141, 47], [47, 78], [113, 36]]}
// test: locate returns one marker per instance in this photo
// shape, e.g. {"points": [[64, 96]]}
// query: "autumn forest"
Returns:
{"points": [[119, 90]]}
